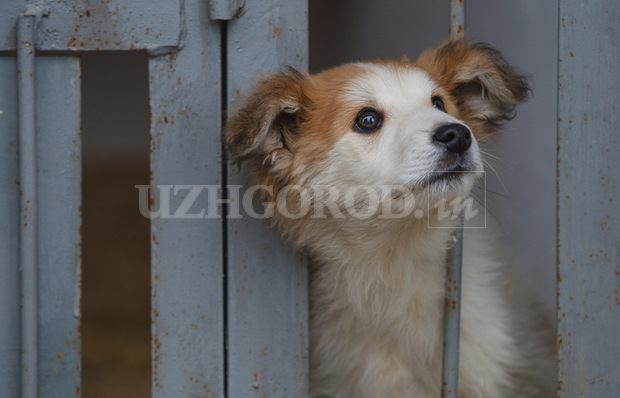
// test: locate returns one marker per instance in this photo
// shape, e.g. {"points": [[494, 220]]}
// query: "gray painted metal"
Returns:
{"points": [[186, 253], [267, 281], [28, 206], [59, 215], [156, 26], [225, 9], [452, 313], [58, 190], [9, 231], [457, 18], [454, 264], [588, 192], [189, 357]]}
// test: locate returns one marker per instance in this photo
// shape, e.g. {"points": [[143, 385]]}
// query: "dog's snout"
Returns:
{"points": [[454, 137]]}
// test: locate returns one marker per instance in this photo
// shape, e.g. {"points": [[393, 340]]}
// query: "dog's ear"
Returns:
{"points": [[267, 121], [479, 81]]}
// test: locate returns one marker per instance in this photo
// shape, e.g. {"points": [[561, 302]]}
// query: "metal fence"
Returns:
{"points": [[229, 300]]}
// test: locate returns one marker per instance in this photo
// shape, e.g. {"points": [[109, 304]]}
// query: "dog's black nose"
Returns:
{"points": [[454, 137]]}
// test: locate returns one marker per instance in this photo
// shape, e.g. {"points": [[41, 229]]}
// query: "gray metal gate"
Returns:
{"points": [[249, 328], [229, 300]]}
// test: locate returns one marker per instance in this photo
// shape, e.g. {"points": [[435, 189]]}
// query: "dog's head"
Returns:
{"points": [[384, 123]]}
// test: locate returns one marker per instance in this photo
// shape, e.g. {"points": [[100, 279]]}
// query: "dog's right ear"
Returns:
{"points": [[267, 121]]}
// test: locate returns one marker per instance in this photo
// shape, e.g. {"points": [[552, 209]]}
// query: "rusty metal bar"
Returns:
{"points": [[452, 313], [587, 196], [186, 254], [267, 281], [28, 204], [454, 263], [457, 19], [59, 223]]}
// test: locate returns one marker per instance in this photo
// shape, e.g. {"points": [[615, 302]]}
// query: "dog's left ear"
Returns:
{"points": [[480, 83], [266, 123]]}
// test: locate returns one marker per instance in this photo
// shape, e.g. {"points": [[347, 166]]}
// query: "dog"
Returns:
{"points": [[377, 282]]}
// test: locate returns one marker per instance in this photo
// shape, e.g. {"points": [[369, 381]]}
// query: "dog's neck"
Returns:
{"points": [[367, 266]]}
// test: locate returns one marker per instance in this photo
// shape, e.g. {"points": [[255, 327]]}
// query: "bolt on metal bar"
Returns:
{"points": [[28, 204], [457, 19]]}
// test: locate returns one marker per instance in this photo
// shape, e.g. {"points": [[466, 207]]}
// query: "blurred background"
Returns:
{"points": [[115, 122]]}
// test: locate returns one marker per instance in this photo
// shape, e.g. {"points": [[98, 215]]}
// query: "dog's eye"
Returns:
{"points": [[438, 104], [368, 120]]}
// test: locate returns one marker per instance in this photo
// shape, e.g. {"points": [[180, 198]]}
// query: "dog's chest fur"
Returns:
{"points": [[377, 316]]}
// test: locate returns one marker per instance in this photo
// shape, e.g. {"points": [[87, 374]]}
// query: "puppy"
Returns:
{"points": [[345, 138]]}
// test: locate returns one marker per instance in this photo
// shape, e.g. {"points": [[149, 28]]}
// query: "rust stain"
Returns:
{"points": [[277, 32], [72, 42], [241, 12], [60, 355]]}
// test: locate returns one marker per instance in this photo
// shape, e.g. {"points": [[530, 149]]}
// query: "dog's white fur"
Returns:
{"points": [[377, 284]]}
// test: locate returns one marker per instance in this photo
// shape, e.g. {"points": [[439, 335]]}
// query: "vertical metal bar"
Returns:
{"points": [[457, 19], [454, 260], [267, 281], [186, 250], [9, 231], [452, 313], [588, 191], [59, 219], [28, 204]]}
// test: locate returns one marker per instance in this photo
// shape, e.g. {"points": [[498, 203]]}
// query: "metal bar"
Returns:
{"points": [[186, 251], [59, 187], [457, 19], [267, 281], [588, 191], [454, 263], [28, 204], [155, 25], [452, 313], [9, 231]]}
